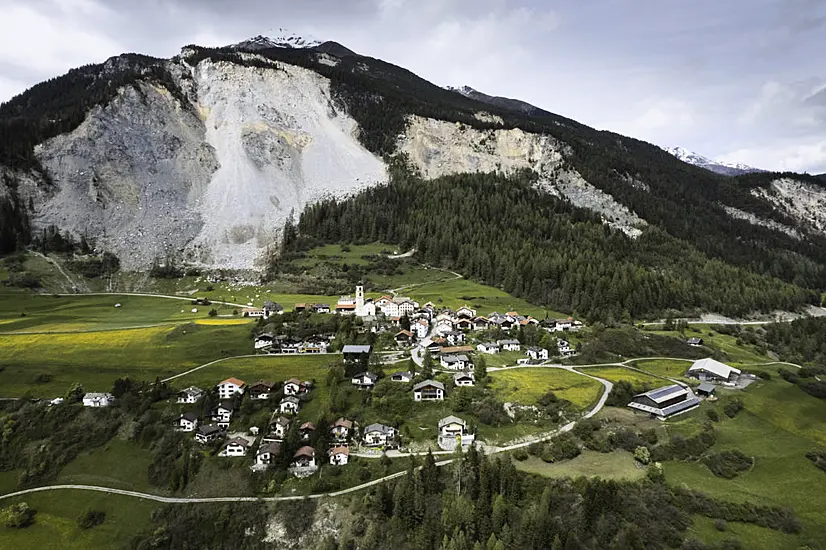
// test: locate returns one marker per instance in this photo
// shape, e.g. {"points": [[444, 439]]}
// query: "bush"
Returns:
{"points": [[43, 378], [818, 458], [720, 524], [18, 515], [91, 518], [563, 447], [213, 312], [712, 415], [520, 454], [728, 464], [733, 407], [642, 455]]}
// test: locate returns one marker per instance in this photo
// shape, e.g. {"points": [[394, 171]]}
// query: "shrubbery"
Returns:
{"points": [[91, 518], [18, 515], [728, 464]]}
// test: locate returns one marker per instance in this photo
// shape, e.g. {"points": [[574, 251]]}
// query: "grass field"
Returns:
{"points": [[615, 465], [56, 527], [527, 385], [120, 464], [664, 367], [750, 536], [353, 256], [615, 374], [779, 425], [504, 359], [737, 354]]}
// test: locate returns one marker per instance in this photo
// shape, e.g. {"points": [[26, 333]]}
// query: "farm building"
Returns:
{"points": [[666, 401], [713, 371]]}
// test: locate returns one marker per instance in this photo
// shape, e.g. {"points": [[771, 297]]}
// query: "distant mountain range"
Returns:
{"points": [[718, 167]]}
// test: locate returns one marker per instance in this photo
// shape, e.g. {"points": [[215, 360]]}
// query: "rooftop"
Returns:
{"points": [[429, 383], [714, 367], [351, 348]]}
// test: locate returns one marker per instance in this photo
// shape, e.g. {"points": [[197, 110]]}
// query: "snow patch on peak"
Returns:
{"points": [[282, 38], [719, 167]]}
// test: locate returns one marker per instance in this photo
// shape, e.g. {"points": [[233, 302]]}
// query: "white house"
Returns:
{"points": [[289, 405], [306, 431], [454, 338], [190, 395], [341, 429], [443, 326], [253, 312], [510, 345], [376, 435], [480, 323], [454, 362], [464, 379], [236, 446], [540, 354], [304, 458], [207, 434], [263, 341], [271, 308], [420, 328], [488, 347], [98, 399], [710, 370], [230, 387], [292, 386], [268, 452], [339, 456], [465, 312], [564, 348], [188, 422], [365, 380], [222, 414], [429, 390], [561, 325], [453, 432], [261, 389], [401, 376], [279, 426]]}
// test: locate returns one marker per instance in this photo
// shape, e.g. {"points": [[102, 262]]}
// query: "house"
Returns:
{"points": [[346, 309], [306, 431], [271, 308], [564, 348], [510, 345], [365, 380], [222, 414], [455, 338], [341, 429], [421, 328], [313, 347], [465, 312], [261, 389], [293, 386], [666, 401], [539, 354], [705, 389], [253, 312], [268, 452], [488, 347], [264, 341], [712, 371], [454, 362], [453, 350], [98, 399], [237, 446], [464, 324], [429, 390], [304, 458], [289, 405], [434, 347], [190, 395], [188, 422], [464, 379], [299, 307], [356, 354], [696, 342], [403, 337], [376, 435], [402, 376], [443, 326], [480, 323], [321, 308], [279, 426], [339, 456], [230, 387], [208, 434], [453, 432]]}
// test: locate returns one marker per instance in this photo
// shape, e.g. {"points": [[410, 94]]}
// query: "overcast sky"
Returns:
{"points": [[736, 80]]}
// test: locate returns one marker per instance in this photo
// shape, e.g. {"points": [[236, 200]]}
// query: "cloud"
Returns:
{"points": [[798, 157]]}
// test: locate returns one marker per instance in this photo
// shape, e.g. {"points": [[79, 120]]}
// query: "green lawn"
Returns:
{"points": [[664, 367], [120, 464], [527, 385], [737, 355], [615, 374], [504, 359], [779, 425], [56, 527], [618, 465], [353, 256], [750, 536]]}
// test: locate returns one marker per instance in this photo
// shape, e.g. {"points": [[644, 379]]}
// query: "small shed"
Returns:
{"points": [[705, 389]]}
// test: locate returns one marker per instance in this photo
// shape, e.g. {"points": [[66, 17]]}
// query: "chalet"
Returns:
{"points": [[300, 307], [321, 308], [356, 354], [705, 389], [443, 326], [696, 342], [279, 426], [188, 422], [289, 405], [421, 328], [98, 399], [453, 432], [346, 309], [222, 414], [429, 390], [237, 446], [465, 312], [488, 347], [539, 354], [365, 380], [271, 308], [306, 431], [564, 348], [403, 337], [713, 371], [261, 389], [230, 387], [455, 338], [561, 325], [208, 434], [377, 435], [253, 312], [666, 401], [510, 345], [190, 395], [464, 324], [268, 452], [454, 362], [289, 345], [480, 323], [339, 456], [402, 376], [304, 458], [264, 341], [341, 429], [293, 386], [464, 379]]}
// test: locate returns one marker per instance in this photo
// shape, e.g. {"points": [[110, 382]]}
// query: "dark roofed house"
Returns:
{"points": [[666, 401], [261, 389], [355, 353], [306, 431], [694, 341], [365, 380]]}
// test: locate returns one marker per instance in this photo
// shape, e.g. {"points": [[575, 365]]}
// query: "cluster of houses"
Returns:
{"points": [[679, 398], [269, 343]]}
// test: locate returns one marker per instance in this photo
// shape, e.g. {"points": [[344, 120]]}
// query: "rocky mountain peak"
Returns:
{"points": [[282, 38]]}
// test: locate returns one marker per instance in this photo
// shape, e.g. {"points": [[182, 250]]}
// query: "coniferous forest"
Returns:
{"points": [[508, 233]]}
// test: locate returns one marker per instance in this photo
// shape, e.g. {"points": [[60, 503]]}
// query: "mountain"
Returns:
{"points": [[202, 158], [284, 39], [502, 102], [724, 168]]}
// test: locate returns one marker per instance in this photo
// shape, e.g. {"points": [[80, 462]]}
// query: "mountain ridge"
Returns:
{"points": [[718, 167]]}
